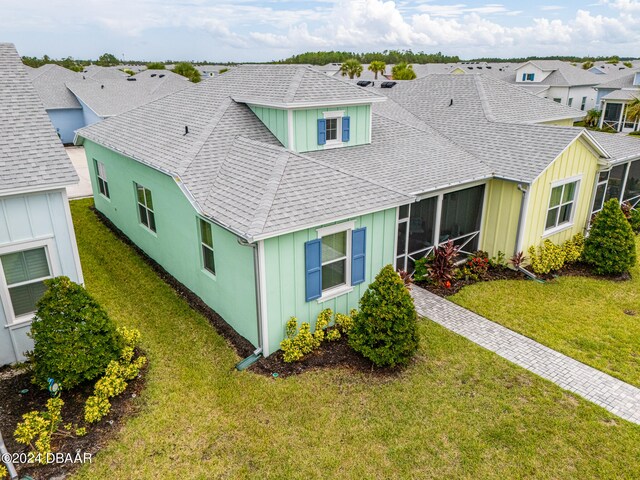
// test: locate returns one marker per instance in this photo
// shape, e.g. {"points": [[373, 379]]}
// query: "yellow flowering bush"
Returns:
{"points": [[573, 248], [551, 257], [345, 322], [3, 472], [37, 428], [116, 377], [324, 318]]}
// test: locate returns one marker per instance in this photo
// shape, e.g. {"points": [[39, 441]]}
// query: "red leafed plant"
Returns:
{"points": [[518, 260], [406, 277], [441, 267]]}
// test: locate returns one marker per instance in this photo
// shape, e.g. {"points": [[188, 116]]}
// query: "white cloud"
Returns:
{"points": [[551, 8]]}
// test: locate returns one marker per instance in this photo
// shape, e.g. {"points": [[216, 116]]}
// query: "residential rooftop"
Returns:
{"points": [[31, 156]]}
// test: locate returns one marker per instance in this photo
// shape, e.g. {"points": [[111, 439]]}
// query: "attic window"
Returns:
{"points": [[334, 128]]}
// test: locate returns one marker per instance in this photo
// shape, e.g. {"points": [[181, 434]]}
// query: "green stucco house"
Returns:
{"points": [[277, 191]]}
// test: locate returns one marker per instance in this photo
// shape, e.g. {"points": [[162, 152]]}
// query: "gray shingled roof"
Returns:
{"points": [[489, 119], [289, 85], [622, 95], [31, 155], [96, 72], [49, 81], [624, 81], [239, 175], [620, 146], [112, 97], [233, 167]]}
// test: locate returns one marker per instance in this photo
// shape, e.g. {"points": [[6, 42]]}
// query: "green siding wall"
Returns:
{"points": [[305, 126], [276, 120], [576, 160], [285, 273], [176, 245], [500, 223]]}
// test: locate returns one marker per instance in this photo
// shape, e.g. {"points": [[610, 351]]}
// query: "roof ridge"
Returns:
{"points": [[484, 100], [266, 203], [202, 138], [294, 85]]}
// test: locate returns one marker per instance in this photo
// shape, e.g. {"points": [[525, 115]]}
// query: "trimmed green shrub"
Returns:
{"points": [[74, 339], [634, 220], [385, 329], [610, 246], [573, 248]]}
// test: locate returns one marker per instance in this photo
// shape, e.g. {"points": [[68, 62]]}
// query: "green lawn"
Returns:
{"points": [[458, 412], [581, 317]]}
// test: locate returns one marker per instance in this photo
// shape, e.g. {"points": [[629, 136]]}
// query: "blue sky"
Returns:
{"points": [[245, 30]]}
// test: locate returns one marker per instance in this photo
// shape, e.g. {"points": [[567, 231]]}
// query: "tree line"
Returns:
{"points": [[386, 56]]}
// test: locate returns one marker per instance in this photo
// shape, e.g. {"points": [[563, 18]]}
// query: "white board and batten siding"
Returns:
{"points": [[27, 222]]}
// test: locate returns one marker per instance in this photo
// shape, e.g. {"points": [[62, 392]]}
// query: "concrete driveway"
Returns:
{"points": [[79, 160]]}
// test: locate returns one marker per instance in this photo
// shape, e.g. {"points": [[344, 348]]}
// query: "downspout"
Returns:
{"points": [[5, 458], [520, 230], [257, 353]]}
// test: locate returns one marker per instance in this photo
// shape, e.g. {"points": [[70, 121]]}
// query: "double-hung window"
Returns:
{"points": [[101, 177], [335, 252], [583, 103], [206, 244], [332, 129], [24, 275], [561, 205], [145, 207]]}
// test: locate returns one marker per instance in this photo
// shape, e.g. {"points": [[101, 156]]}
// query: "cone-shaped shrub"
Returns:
{"points": [[385, 327], [610, 247], [74, 339]]}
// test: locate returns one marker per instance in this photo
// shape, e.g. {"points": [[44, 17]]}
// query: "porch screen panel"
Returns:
{"points": [[614, 187], [632, 188], [422, 224], [461, 216]]}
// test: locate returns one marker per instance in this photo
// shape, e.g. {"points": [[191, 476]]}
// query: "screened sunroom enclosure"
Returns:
{"points": [[621, 182], [434, 220]]}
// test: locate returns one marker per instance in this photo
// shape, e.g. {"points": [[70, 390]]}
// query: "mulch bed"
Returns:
{"points": [[14, 404], [329, 355], [577, 269]]}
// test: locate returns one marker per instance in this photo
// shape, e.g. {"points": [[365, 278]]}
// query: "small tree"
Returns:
{"points": [[351, 67], [633, 109], [74, 339], [187, 70], [377, 67], [107, 60], [155, 66], [385, 328], [610, 246], [592, 118], [402, 71]]}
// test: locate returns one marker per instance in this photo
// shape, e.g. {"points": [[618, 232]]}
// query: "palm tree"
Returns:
{"points": [[633, 109], [402, 71], [377, 66], [351, 67], [592, 117]]}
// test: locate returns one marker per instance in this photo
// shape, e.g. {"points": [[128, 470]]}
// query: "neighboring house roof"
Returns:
{"points": [[622, 95], [236, 172], [620, 146], [624, 81], [96, 72], [31, 155], [161, 82], [294, 85], [49, 81], [563, 74], [107, 98]]}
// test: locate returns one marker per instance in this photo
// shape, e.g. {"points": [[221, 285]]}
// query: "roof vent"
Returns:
{"points": [[101, 87], [489, 67], [451, 102], [387, 84], [131, 79], [364, 83], [186, 129], [153, 74], [161, 75], [470, 68], [479, 68]]}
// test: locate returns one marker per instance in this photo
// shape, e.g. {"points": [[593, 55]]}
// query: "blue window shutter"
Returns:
{"points": [[322, 131], [358, 255], [313, 266], [345, 128], [524, 77]]}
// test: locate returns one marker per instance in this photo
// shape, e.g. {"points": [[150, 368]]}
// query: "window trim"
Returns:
{"points": [[577, 179], [5, 298], [203, 245], [338, 290], [99, 179], [337, 115], [148, 209]]}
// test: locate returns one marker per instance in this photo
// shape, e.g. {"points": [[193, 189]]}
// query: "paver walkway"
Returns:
{"points": [[615, 395]]}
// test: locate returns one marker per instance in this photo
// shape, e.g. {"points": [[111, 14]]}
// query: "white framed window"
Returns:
{"points": [[336, 259], [583, 103], [562, 205], [22, 276], [146, 213], [557, 100], [333, 127], [206, 247], [570, 101], [101, 177]]}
